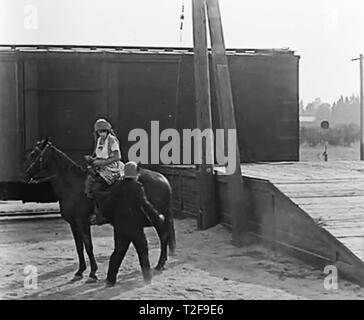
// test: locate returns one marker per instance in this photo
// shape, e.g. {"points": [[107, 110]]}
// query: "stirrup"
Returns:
{"points": [[93, 219]]}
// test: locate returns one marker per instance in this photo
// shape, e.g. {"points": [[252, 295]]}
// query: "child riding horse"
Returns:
{"points": [[105, 164]]}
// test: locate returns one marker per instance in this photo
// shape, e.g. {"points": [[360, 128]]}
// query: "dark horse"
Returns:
{"points": [[67, 179]]}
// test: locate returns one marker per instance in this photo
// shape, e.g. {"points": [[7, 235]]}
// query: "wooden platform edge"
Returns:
{"points": [[283, 225], [274, 220]]}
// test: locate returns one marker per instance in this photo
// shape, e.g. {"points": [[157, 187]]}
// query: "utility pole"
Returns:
{"points": [[361, 106], [205, 172], [227, 120]]}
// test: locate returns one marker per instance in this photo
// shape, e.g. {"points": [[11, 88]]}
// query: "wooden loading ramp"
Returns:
{"points": [[311, 210], [315, 210]]}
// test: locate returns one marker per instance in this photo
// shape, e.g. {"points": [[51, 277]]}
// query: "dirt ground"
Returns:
{"points": [[206, 266], [335, 153]]}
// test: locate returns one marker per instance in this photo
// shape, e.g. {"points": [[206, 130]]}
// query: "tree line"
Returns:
{"points": [[343, 116]]}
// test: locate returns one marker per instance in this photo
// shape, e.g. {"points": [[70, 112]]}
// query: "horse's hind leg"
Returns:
{"points": [[167, 238], [163, 238], [171, 237], [141, 245], [79, 247], [86, 237]]}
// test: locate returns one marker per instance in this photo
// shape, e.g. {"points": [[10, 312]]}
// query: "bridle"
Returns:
{"points": [[39, 158]]}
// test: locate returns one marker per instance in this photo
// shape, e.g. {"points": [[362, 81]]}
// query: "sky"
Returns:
{"points": [[324, 33]]}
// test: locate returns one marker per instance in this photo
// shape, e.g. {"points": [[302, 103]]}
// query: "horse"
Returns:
{"points": [[67, 178]]}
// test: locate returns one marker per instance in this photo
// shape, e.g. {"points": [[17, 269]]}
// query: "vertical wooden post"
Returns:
{"points": [[205, 172], [226, 112], [361, 109]]}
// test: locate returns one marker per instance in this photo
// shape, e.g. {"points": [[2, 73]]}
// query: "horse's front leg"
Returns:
{"points": [[79, 247], [84, 226]]}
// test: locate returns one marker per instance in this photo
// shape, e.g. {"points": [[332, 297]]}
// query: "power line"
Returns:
{"points": [[182, 18]]}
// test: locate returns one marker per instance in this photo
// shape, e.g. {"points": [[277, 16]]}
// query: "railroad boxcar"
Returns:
{"points": [[59, 91]]}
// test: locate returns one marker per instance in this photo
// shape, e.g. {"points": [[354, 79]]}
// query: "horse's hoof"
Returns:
{"points": [[76, 278], [91, 280], [109, 284], [157, 270]]}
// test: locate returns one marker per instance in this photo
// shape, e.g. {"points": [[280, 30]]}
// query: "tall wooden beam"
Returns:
{"points": [[205, 173], [227, 119]]}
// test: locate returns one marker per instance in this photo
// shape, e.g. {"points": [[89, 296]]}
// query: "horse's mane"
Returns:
{"points": [[68, 163]]}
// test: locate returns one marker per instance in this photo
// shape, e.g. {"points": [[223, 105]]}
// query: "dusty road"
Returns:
{"points": [[206, 266]]}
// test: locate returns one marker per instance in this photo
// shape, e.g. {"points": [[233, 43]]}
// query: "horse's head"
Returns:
{"points": [[36, 161]]}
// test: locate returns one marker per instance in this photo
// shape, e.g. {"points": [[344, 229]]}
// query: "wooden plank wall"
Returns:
{"points": [[11, 118], [184, 186]]}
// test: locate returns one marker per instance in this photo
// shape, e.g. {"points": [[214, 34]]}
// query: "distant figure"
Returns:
{"points": [[105, 164], [127, 208]]}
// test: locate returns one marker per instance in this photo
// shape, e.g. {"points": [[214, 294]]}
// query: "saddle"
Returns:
{"points": [[94, 179]]}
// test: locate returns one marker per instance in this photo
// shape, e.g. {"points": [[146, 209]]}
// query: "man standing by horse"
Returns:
{"points": [[128, 210]]}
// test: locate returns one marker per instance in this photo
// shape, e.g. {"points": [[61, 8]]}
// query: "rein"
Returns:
{"points": [[40, 159], [41, 180]]}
